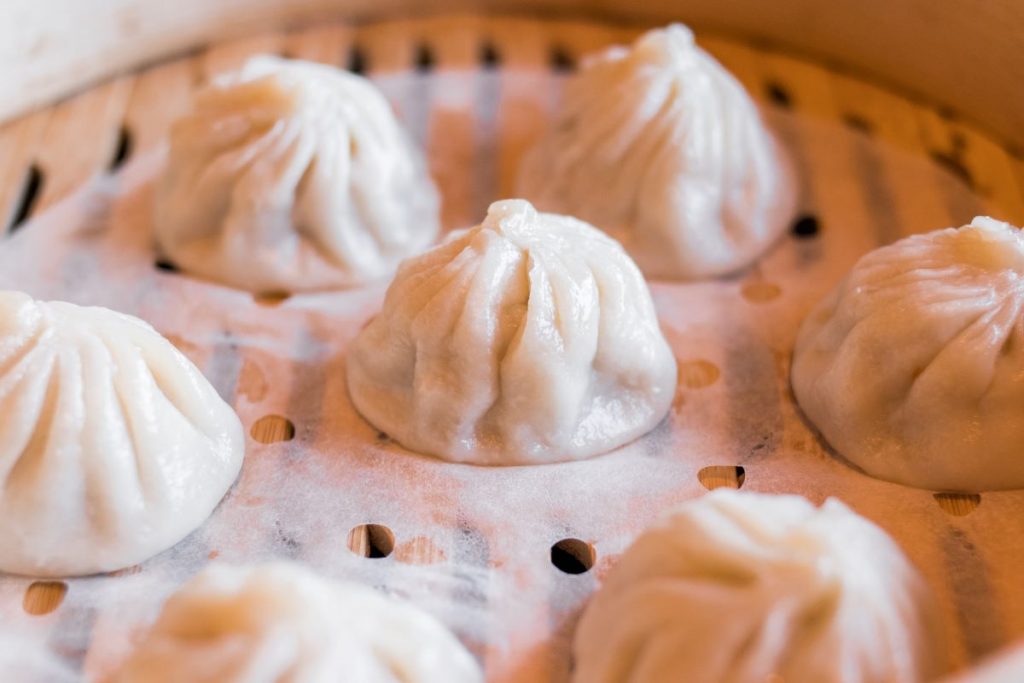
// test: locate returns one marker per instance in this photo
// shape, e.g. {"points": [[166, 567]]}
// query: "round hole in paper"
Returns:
{"points": [[758, 292], [374, 541], [273, 429], [43, 597], [806, 226], [573, 556], [722, 476], [958, 504], [697, 374], [271, 298]]}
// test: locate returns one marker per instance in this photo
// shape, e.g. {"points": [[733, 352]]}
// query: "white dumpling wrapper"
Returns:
{"points": [[661, 147], [281, 623], [913, 367], [292, 176], [743, 587], [531, 338], [113, 446]]}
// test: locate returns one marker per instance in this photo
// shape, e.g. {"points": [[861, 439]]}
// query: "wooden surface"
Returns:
{"points": [[46, 154]]}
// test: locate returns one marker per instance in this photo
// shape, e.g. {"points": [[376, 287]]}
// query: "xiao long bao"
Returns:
{"points": [[531, 338], [658, 145], [281, 622], [913, 367], [113, 446], [292, 176], [743, 587]]}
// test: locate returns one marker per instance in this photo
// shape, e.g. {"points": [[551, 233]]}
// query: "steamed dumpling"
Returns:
{"points": [[661, 147], [280, 623], [750, 588], [531, 338], [913, 367], [291, 176], [113, 447]]}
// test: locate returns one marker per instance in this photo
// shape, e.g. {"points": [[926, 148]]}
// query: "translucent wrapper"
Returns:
{"points": [[472, 545]]}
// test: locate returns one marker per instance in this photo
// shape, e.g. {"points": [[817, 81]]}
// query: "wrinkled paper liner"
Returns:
{"points": [[488, 531]]}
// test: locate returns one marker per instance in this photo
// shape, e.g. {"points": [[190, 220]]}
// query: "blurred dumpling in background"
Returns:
{"points": [[658, 145], [751, 588], [531, 338], [292, 176], [282, 623], [113, 446], [913, 367]]}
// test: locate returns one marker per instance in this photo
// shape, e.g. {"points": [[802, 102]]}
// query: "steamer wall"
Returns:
{"points": [[963, 55]]}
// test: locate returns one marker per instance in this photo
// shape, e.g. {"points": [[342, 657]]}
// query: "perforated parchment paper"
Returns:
{"points": [[473, 544]]}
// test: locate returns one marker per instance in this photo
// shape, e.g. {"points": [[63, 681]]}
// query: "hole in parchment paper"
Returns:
{"points": [[806, 226], [271, 298], [273, 429], [697, 374], [958, 504], [371, 540], [722, 476], [123, 150], [573, 556], [759, 292], [43, 597], [490, 58], [560, 59], [357, 60], [166, 266], [424, 58], [778, 94], [29, 194]]}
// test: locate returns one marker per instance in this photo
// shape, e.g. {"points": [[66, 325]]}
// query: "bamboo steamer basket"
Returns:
{"points": [[91, 84]]}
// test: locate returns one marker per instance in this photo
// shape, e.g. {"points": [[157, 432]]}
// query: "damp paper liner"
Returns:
{"points": [[473, 544]]}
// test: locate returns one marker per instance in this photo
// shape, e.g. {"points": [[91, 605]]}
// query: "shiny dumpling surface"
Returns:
{"points": [[282, 623], [744, 587], [292, 176], [658, 145], [530, 338], [912, 368], [113, 446]]}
